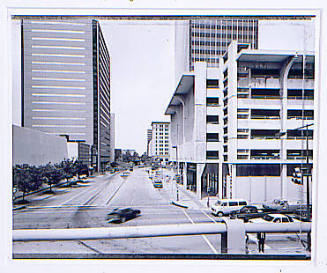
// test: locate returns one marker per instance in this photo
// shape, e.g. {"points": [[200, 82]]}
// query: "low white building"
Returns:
{"points": [[235, 127]]}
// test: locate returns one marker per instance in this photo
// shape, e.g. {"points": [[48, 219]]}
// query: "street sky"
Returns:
{"points": [[142, 76]]}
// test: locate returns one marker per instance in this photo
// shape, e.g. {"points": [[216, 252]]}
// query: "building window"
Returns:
{"points": [[212, 137], [212, 155], [299, 94], [265, 114], [212, 101], [212, 83], [258, 170], [299, 114], [264, 134], [299, 154], [264, 154], [299, 134], [265, 93], [212, 119]]}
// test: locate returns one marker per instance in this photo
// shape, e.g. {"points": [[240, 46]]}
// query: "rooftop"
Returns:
{"points": [[274, 56], [184, 86]]}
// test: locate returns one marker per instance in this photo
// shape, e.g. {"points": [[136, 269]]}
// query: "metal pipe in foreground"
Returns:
{"points": [[117, 232], [150, 231]]}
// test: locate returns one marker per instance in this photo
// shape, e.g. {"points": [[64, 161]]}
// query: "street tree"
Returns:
{"points": [[26, 179], [68, 168], [80, 168], [52, 175]]}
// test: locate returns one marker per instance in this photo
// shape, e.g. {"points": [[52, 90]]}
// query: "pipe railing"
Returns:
{"points": [[233, 232]]}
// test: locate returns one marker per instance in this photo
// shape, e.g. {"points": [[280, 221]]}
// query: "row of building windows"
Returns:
{"points": [[245, 36], [274, 114], [227, 24], [265, 169]]}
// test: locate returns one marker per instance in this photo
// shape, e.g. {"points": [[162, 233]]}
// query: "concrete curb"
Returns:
{"points": [[179, 205], [20, 207]]}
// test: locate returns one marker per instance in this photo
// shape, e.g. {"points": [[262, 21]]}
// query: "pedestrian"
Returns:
{"points": [[258, 239], [261, 236], [247, 243]]}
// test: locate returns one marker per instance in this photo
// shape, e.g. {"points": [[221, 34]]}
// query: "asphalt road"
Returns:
{"points": [[87, 204]]}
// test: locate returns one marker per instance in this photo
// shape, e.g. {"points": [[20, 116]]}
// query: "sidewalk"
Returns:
{"points": [[58, 188], [186, 198]]}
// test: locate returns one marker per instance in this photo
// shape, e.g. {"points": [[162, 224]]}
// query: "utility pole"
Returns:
{"points": [[308, 187]]}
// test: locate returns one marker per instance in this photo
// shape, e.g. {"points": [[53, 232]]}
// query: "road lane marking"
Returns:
{"points": [[214, 220], [107, 203], [89, 247], [67, 201], [203, 236]]}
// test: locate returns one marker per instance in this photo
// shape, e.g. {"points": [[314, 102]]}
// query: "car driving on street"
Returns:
{"points": [[121, 215], [157, 183]]}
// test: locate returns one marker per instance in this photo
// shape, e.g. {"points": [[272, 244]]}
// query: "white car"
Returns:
{"points": [[275, 218]]}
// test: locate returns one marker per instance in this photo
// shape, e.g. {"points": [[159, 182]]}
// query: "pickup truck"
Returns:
{"points": [[284, 205]]}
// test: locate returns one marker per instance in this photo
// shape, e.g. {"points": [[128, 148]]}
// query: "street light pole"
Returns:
{"points": [[177, 193], [308, 187]]}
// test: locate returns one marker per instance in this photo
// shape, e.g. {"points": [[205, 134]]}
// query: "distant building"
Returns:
{"points": [[148, 140], [112, 137], [66, 82], [36, 148], [118, 155], [159, 143]]}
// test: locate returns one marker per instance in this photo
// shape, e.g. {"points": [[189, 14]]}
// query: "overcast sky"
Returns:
{"points": [[142, 76]]}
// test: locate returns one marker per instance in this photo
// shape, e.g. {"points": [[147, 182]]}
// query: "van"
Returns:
{"points": [[226, 206]]}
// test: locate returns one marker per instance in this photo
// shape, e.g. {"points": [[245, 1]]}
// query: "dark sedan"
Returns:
{"points": [[121, 215], [245, 209]]}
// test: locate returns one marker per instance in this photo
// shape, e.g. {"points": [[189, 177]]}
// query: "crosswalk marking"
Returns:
{"points": [[203, 236]]}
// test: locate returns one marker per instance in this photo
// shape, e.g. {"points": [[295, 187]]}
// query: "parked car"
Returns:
{"points": [[121, 215], [226, 206], [284, 205], [274, 218], [125, 174], [245, 209]]}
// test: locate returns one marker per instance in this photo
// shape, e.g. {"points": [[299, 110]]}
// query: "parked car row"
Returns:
{"points": [[241, 209]]}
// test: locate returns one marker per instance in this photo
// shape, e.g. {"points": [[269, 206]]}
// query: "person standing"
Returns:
{"points": [[261, 236]]}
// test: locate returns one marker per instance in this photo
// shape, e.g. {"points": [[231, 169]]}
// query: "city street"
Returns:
{"points": [[87, 204]]}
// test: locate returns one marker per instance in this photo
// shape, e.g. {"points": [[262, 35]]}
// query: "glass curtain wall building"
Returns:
{"points": [[210, 38]]}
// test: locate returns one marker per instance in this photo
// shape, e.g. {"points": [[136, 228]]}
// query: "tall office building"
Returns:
{"points": [[159, 143], [66, 82], [209, 39], [206, 40]]}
